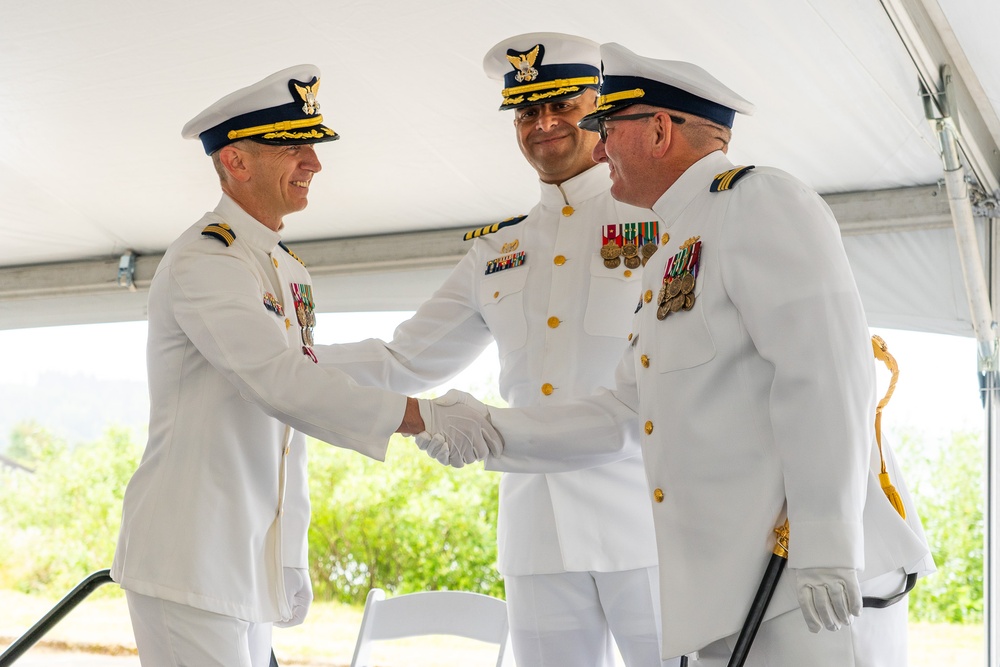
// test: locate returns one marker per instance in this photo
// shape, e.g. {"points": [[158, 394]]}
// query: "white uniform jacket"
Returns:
{"points": [[560, 320], [757, 402], [219, 503]]}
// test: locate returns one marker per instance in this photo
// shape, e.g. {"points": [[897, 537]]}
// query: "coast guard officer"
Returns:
{"points": [[212, 548], [556, 289], [750, 368]]}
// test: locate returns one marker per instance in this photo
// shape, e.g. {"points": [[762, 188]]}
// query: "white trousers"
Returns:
{"points": [[877, 638], [570, 618], [169, 634]]}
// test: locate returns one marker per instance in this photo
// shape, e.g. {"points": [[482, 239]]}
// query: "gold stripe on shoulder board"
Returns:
{"points": [[221, 231], [727, 179], [289, 251], [495, 227]]}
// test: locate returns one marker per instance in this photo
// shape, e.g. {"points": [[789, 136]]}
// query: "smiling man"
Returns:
{"points": [[750, 367], [556, 289], [213, 546]]}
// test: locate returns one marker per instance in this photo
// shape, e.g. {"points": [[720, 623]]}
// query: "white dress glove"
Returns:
{"points": [[299, 592], [463, 425], [830, 597], [436, 447]]}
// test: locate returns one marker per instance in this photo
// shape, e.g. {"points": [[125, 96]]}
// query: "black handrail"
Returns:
{"points": [[56, 614]]}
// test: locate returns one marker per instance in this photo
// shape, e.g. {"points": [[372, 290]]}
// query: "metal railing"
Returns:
{"points": [[56, 614], [90, 584]]}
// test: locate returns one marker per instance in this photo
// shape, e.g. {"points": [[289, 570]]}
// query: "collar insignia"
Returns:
{"points": [[524, 63]]}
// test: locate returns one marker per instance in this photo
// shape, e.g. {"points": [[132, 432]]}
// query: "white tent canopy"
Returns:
{"points": [[92, 167], [93, 96]]}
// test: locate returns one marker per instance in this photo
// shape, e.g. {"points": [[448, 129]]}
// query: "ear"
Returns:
{"points": [[662, 136], [234, 161]]}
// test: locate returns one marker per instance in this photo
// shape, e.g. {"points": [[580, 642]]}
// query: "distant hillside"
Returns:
{"points": [[78, 408]]}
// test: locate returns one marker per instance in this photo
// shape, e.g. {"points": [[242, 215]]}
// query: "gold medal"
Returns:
{"points": [[612, 263], [648, 249], [629, 250], [673, 288], [676, 303], [610, 250], [633, 262], [662, 312], [689, 301], [687, 283]]}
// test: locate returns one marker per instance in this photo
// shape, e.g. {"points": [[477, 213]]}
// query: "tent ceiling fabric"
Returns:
{"points": [[93, 96]]}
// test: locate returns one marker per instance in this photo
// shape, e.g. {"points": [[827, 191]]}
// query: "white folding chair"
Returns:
{"points": [[455, 613]]}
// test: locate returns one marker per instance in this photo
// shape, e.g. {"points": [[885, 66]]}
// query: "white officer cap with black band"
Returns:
{"points": [[539, 67], [673, 84], [279, 110]]}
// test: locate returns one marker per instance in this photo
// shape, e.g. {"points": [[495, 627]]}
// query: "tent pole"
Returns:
{"points": [[980, 307], [968, 246], [991, 515], [991, 559]]}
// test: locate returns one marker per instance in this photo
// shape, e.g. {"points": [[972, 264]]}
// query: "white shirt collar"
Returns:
{"points": [[247, 228], [695, 180], [578, 189]]}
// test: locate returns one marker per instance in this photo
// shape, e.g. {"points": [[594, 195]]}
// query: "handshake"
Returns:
{"points": [[457, 430]]}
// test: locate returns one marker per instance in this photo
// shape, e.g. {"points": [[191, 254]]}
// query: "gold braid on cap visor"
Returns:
{"points": [[279, 129], [562, 87], [604, 102]]}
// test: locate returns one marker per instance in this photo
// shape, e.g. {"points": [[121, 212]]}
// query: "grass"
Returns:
{"points": [[326, 639]]}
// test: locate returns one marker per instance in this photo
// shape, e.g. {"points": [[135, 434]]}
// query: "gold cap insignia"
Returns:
{"points": [[308, 95], [524, 63]]}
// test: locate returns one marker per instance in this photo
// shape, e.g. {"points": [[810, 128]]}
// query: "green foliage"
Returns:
{"points": [[60, 522], [410, 524], [27, 440], [947, 485], [405, 525]]}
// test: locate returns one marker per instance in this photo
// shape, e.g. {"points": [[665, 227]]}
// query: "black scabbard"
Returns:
{"points": [[768, 583], [765, 591]]}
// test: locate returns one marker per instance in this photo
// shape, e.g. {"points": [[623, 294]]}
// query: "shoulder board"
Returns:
{"points": [[727, 179], [495, 227], [220, 231], [294, 256]]}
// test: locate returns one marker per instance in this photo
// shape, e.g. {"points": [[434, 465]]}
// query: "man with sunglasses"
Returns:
{"points": [[750, 367], [556, 290]]}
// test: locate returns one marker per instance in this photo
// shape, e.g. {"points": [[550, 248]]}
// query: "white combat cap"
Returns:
{"points": [[673, 84], [281, 109], [539, 67]]}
